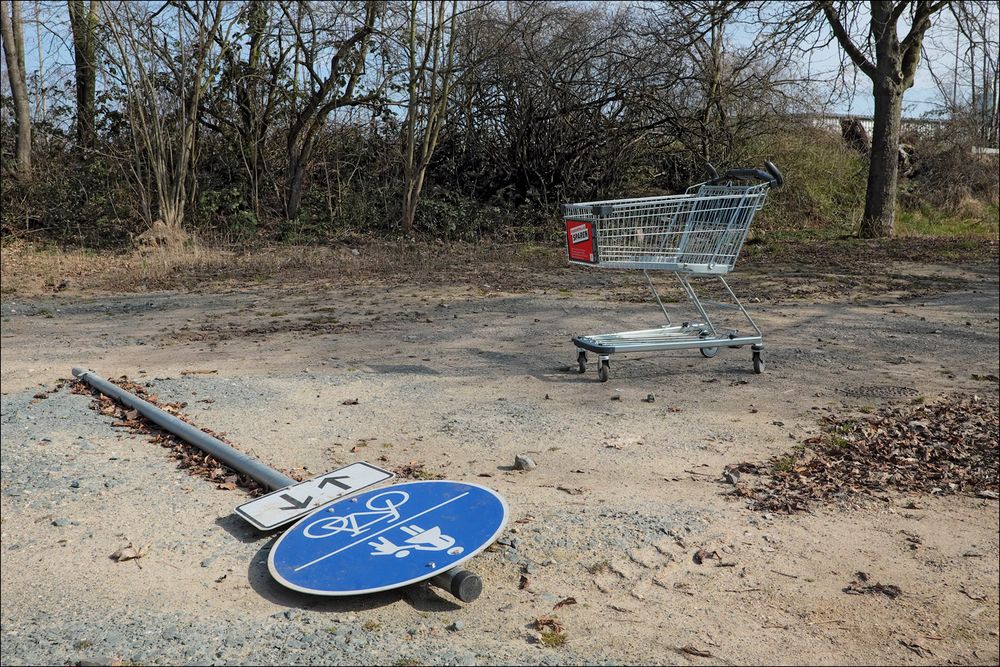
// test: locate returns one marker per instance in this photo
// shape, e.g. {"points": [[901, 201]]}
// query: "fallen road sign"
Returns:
{"points": [[386, 538], [288, 504]]}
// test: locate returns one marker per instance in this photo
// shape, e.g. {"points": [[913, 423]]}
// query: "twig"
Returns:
{"points": [[703, 474], [741, 590], [785, 574]]}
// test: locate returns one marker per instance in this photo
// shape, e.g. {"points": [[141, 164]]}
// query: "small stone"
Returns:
{"points": [[650, 398], [61, 522], [524, 462], [456, 626], [731, 476], [208, 561], [75, 484]]}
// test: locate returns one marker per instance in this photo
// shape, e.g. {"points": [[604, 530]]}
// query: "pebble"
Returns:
{"points": [[62, 522], [456, 626], [75, 484], [524, 462]]}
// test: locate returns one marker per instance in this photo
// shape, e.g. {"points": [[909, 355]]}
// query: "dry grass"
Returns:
{"points": [[29, 270]]}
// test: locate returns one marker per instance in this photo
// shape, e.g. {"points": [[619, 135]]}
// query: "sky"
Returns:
{"points": [[51, 40]]}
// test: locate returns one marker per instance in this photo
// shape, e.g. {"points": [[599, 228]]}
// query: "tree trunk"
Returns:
{"points": [[13, 48], [880, 199], [296, 176], [83, 21]]}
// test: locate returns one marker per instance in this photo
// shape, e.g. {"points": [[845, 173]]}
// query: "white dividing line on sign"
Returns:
{"points": [[288, 504], [387, 528]]}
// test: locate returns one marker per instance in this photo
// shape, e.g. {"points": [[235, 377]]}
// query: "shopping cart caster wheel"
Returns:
{"points": [[758, 362], [604, 371], [581, 361], [709, 352]]}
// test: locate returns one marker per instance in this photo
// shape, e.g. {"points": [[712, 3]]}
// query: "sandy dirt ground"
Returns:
{"points": [[461, 374]]}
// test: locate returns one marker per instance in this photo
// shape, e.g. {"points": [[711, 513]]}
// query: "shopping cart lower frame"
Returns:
{"points": [[700, 232]]}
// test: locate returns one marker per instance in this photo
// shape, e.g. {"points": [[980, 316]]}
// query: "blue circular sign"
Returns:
{"points": [[387, 538]]}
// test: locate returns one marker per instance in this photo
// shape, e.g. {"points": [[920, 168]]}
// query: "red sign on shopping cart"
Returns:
{"points": [[580, 241]]}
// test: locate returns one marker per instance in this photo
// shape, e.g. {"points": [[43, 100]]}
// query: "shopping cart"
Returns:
{"points": [[699, 232]]}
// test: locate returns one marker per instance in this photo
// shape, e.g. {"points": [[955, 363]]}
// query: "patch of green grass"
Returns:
{"points": [[784, 464], [840, 442], [552, 639], [371, 626], [332, 629], [930, 221]]}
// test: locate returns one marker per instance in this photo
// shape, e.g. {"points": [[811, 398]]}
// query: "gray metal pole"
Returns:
{"points": [[222, 452], [461, 583]]}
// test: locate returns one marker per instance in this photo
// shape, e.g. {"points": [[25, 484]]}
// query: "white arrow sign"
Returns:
{"points": [[285, 505]]}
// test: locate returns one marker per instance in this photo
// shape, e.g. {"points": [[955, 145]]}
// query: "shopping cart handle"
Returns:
{"points": [[772, 176], [779, 180]]}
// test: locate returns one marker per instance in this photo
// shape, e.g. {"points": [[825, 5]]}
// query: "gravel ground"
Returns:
{"points": [[461, 380]]}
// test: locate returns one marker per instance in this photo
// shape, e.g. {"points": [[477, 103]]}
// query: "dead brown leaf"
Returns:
{"points": [[701, 555], [547, 624], [131, 552], [691, 650], [564, 602]]}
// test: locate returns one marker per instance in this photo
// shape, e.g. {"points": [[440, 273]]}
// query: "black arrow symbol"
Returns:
{"points": [[333, 480], [295, 503]]}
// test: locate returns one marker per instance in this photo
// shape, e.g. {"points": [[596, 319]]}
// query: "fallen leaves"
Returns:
{"points": [[553, 633], [564, 602], [131, 552], [946, 447], [188, 457], [701, 555], [416, 470], [860, 586]]}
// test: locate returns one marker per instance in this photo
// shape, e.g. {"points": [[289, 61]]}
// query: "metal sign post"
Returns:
{"points": [[291, 499]]}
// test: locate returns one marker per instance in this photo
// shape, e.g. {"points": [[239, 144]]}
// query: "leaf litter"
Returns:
{"points": [[945, 447], [196, 462]]}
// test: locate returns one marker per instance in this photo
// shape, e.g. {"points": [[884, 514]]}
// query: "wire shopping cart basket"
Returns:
{"points": [[698, 232]]}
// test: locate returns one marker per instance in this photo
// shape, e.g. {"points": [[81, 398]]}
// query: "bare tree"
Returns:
{"points": [[333, 42], [83, 22], [242, 106], [164, 84], [717, 96], [12, 31], [430, 49], [873, 45]]}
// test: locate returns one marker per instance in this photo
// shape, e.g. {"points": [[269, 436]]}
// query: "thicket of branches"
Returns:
{"points": [[298, 120]]}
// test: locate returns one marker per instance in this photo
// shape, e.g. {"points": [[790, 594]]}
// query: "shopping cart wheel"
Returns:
{"points": [[709, 352], [581, 360], [604, 370], [758, 361]]}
